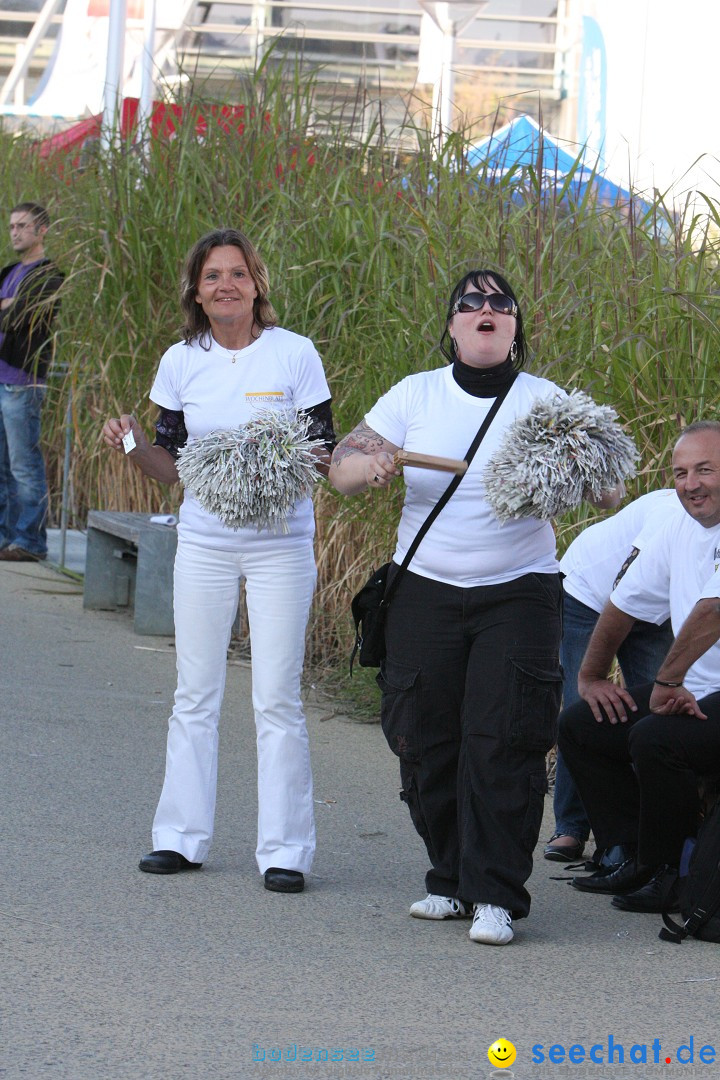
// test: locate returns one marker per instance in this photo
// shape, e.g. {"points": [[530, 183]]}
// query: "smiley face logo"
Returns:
{"points": [[502, 1053]]}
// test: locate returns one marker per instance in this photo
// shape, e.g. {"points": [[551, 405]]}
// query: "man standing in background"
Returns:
{"points": [[28, 304]]}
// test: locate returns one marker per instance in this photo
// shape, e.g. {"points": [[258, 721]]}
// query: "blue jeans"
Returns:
{"points": [[23, 486], [640, 655]]}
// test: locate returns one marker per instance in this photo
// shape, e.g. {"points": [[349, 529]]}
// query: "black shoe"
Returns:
{"points": [[166, 862], [278, 880], [661, 893], [563, 852], [626, 878]]}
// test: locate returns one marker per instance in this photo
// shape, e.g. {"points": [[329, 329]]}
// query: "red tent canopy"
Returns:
{"points": [[165, 122]]}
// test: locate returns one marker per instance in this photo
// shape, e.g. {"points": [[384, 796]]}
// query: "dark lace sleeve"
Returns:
{"points": [[170, 431], [321, 424]]}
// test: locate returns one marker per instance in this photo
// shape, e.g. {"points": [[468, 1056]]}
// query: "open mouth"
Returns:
{"points": [[486, 327]]}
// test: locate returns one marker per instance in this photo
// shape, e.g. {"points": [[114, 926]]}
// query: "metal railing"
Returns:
{"points": [[516, 52]]}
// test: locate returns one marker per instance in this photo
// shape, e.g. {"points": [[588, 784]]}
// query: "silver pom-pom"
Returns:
{"points": [[252, 475], [564, 448]]}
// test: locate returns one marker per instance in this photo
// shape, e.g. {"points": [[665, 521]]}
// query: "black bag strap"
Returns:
{"points": [[709, 900], [703, 911], [672, 931], [448, 493]]}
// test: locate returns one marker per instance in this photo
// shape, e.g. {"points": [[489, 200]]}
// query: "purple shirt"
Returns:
{"points": [[10, 375]]}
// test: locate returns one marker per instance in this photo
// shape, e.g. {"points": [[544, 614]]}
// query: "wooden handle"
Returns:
{"points": [[427, 461]]}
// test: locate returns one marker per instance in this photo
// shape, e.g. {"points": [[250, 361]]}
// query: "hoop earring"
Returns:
{"points": [[513, 351]]}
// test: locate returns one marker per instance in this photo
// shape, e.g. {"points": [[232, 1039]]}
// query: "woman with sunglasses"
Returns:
{"points": [[471, 684]]}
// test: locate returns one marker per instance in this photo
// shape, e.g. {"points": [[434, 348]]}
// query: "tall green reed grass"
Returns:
{"points": [[364, 244]]}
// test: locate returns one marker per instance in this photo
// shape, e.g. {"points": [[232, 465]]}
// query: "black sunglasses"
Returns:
{"points": [[474, 301]]}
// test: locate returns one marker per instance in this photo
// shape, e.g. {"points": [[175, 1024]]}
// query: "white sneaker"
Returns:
{"points": [[439, 907], [491, 925]]}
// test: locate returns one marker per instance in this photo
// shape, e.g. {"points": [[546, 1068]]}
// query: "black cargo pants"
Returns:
{"points": [[471, 693]]}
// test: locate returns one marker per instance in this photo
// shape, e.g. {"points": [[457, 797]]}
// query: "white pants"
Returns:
{"points": [[280, 578]]}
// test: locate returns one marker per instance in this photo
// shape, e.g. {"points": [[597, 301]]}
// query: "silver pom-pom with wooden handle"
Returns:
{"points": [[253, 475], [563, 449]]}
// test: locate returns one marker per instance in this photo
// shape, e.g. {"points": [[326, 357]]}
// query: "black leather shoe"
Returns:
{"points": [[278, 880], [660, 894], [626, 878], [563, 852], [166, 862]]}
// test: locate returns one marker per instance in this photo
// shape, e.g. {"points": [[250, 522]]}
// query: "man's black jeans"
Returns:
{"points": [[639, 780]]}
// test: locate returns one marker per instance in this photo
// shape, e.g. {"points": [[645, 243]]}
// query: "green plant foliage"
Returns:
{"points": [[363, 243]]}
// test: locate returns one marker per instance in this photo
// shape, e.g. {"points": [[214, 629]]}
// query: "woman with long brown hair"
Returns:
{"points": [[234, 358]]}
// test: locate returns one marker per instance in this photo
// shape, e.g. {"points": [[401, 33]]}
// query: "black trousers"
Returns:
{"points": [[639, 780], [471, 694]]}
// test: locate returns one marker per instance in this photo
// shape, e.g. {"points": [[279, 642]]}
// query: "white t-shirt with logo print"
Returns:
{"points": [[466, 545], [677, 567], [594, 559], [217, 389]]}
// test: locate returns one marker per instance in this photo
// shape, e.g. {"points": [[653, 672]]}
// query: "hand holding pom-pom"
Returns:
{"points": [[252, 475], [549, 460]]}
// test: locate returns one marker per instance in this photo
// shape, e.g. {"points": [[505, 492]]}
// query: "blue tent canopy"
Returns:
{"points": [[522, 145]]}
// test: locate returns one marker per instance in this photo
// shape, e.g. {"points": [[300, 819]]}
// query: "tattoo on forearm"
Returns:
{"points": [[361, 440], [341, 452]]}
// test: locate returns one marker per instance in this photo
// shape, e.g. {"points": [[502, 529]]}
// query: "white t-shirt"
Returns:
{"points": [[595, 557], [466, 545], [675, 569], [278, 370]]}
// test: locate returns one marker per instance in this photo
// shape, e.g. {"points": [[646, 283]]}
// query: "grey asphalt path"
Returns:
{"points": [[110, 974]]}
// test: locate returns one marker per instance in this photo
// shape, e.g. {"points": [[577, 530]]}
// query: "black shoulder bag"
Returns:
{"points": [[700, 888], [369, 605]]}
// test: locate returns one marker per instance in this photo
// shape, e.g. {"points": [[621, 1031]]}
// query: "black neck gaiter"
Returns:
{"points": [[483, 382]]}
